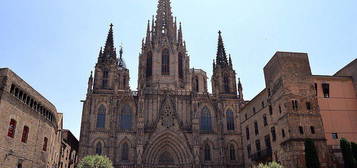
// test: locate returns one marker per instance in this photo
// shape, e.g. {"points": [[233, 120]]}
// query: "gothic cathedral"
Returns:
{"points": [[171, 120]]}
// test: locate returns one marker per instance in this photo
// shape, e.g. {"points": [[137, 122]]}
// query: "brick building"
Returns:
{"points": [[29, 125]]}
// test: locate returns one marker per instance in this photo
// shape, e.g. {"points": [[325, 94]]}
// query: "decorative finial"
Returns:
{"points": [[121, 51], [111, 25]]}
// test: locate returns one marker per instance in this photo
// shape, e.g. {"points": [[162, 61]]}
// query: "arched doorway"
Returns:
{"points": [[167, 150]]}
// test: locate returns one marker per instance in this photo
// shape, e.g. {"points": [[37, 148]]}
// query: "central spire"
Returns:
{"points": [[164, 20]]}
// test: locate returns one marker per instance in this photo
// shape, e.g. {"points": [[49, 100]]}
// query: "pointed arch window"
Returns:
{"points": [[126, 119], [206, 120], [207, 152], [149, 64], [232, 152], [226, 84], [101, 116], [125, 152], [105, 79], [197, 84], [230, 120], [165, 62], [180, 65], [99, 148]]}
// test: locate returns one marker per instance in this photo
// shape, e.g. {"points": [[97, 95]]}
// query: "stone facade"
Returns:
{"points": [[296, 105], [69, 150], [29, 125], [278, 120], [172, 120]]}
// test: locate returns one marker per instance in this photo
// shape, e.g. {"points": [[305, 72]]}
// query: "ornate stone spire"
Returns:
{"points": [[148, 33], [221, 52], [180, 40], [164, 21], [109, 50], [121, 62]]}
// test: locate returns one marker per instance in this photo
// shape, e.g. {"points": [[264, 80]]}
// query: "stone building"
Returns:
{"points": [[296, 105], [29, 125], [69, 150], [171, 120]]}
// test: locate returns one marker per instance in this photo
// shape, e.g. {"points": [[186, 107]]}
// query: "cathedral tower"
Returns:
{"points": [[163, 61], [224, 76], [110, 71]]}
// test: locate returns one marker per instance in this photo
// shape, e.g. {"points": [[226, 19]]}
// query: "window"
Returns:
{"points": [[12, 128], [270, 110], [230, 120], [326, 90], [263, 105], [180, 65], [45, 141], [25, 134], [19, 165], [280, 109], [105, 79], [247, 132], [308, 105], [312, 129], [295, 104], [254, 110], [207, 152], [256, 129], [301, 130], [226, 84], [197, 84], [232, 152], [249, 150], [245, 116], [149, 64], [165, 62], [273, 133], [267, 142], [283, 133], [334, 135], [257, 145], [125, 152], [126, 119], [101, 116], [315, 89], [265, 120], [98, 148], [206, 121]]}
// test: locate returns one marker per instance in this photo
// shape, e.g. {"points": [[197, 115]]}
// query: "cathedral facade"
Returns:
{"points": [[171, 120]]}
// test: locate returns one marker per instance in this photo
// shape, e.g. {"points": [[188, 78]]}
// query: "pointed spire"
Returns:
{"points": [[109, 50], [90, 83], [121, 62], [221, 51], [230, 60], [180, 34], [239, 85], [164, 19], [148, 34]]}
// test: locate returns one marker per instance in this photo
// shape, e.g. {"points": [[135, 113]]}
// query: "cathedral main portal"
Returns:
{"points": [[168, 149]]}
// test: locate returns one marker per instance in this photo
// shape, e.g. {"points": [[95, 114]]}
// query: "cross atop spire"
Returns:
{"points": [[109, 50], [221, 51]]}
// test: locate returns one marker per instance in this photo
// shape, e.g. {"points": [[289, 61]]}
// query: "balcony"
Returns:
{"points": [[263, 155]]}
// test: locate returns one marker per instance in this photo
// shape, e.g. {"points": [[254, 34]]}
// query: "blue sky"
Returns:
{"points": [[53, 45]]}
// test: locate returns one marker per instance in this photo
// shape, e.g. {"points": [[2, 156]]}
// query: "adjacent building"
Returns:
{"points": [[29, 125], [296, 105], [69, 150]]}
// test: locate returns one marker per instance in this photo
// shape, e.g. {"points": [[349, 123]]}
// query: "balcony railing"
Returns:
{"points": [[262, 155]]}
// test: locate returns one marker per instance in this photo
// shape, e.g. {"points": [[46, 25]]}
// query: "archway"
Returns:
{"points": [[167, 150]]}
